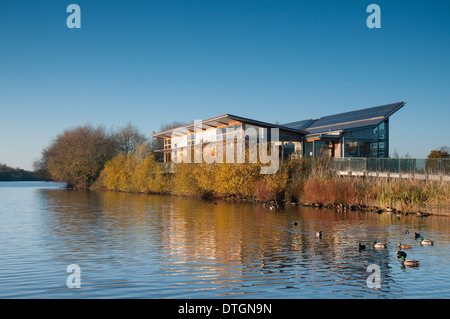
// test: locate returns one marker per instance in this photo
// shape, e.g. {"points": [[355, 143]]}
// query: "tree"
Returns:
{"points": [[77, 156], [441, 152], [128, 138], [158, 144], [396, 154], [41, 168], [16, 174]]}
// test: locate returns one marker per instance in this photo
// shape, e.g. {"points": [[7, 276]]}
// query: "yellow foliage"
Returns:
{"points": [[130, 173]]}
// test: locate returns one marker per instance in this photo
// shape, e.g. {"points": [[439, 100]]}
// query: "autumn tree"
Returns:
{"points": [[77, 156], [442, 152]]}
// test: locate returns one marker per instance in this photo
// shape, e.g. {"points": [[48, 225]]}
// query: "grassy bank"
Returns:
{"points": [[295, 182]]}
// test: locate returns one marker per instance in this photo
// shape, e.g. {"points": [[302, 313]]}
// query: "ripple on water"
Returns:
{"points": [[134, 245]]}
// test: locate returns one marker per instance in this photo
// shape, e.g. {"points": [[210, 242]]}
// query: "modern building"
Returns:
{"points": [[360, 133], [225, 128]]}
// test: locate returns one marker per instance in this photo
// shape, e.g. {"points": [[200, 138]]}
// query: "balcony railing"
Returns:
{"points": [[435, 168]]}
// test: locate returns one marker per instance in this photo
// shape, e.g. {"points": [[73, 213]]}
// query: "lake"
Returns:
{"points": [[148, 246]]}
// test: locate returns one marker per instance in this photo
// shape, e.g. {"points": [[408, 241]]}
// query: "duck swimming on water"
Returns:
{"points": [[403, 246], [427, 242], [410, 262], [401, 255], [378, 245]]}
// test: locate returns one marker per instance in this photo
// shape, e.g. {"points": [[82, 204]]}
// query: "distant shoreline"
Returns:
{"points": [[9, 174]]}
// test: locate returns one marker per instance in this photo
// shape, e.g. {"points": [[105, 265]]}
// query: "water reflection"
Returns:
{"points": [[164, 246]]}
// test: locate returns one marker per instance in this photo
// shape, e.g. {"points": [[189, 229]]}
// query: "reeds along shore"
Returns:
{"points": [[297, 181]]}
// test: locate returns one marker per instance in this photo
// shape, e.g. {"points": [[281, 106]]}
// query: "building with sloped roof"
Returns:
{"points": [[360, 133]]}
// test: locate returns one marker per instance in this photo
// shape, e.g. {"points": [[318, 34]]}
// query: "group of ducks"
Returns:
{"points": [[401, 255]]}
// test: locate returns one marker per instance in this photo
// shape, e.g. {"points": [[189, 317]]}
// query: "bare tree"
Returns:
{"points": [[41, 168], [128, 138]]}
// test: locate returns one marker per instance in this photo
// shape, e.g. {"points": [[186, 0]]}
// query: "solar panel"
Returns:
{"points": [[345, 126], [347, 120], [369, 113], [299, 125]]}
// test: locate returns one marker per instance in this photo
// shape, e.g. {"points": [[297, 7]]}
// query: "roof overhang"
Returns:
{"points": [[224, 119], [323, 136]]}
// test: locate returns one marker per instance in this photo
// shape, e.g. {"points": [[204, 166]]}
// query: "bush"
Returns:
{"points": [[77, 156], [130, 173], [261, 191]]}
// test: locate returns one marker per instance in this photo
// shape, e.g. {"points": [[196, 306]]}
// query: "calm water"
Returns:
{"points": [[142, 246]]}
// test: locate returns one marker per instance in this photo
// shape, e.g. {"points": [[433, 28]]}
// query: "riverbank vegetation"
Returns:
{"points": [[124, 160], [10, 174], [298, 181]]}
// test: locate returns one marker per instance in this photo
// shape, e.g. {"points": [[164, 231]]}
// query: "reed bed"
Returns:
{"points": [[300, 181]]}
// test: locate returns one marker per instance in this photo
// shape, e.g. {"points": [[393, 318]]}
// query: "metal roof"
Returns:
{"points": [[367, 117], [299, 125], [224, 119]]}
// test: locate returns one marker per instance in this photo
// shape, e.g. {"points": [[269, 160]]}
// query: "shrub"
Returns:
{"points": [[261, 191]]}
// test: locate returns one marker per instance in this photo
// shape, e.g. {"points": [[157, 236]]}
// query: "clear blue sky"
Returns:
{"points": [[153, 62]]}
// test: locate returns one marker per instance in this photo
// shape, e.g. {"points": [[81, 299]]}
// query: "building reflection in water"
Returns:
{"points": [[211, 245]]}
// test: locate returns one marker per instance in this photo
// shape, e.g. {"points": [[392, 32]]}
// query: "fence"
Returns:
{"points": [[416, 168]]}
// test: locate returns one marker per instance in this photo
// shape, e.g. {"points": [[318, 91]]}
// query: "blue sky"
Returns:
{"points": [[153, 62]]}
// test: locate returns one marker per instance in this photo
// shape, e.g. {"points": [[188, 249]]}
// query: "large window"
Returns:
{"points": [[379, 141], [323, 149], [351, 149], [358, 148], [364, 148], [308, 149]]}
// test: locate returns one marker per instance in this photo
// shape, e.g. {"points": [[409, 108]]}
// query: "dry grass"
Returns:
{"points": [[403, 195]]}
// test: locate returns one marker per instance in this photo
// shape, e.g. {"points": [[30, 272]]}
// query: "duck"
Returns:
{"points": [[360, 246], [378, 245], [422, 214], [416, 235], [407, 231], [403, 246], [319, 234], [295, 223], [427, 242], [410, 262], [401, 255]]}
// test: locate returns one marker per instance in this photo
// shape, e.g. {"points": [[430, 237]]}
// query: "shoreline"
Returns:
{"points": [[273, 204]]}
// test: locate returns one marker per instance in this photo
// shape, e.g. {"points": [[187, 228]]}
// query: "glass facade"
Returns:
{"points": [[358, 144], [319, 149], [363, 142], [378, 147], [308, 150]]}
